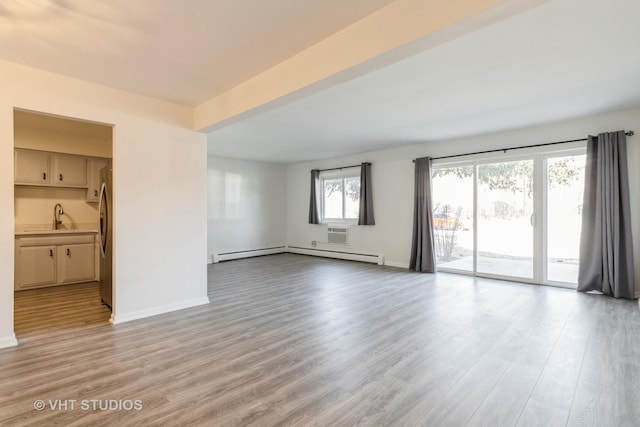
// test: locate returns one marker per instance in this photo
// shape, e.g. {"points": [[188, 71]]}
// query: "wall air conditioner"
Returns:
{"points": [[338, 234]]}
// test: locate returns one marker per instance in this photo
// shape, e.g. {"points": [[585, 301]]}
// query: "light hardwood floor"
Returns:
{"points": [[296, 340]]}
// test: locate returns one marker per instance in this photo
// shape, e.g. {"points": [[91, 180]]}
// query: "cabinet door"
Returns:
{"points": [[70, 170], [32, 167], [93, 176], [78, 262], [36, 266]]}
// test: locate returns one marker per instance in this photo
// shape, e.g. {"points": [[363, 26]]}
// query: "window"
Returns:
{"points": [[340, 195]]}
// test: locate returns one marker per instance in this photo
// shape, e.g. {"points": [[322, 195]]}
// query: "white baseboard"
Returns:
{"points": [[374, 259], [9, 341], [226, 256], [154, 311]]}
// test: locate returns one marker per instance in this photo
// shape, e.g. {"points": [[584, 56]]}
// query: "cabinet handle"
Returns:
{"points": [[60, 177], [95, 193], [44, 176], [51, 253], [68, 252]]}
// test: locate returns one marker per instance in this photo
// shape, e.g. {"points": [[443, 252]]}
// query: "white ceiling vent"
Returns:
{"points": [[338, 234]]}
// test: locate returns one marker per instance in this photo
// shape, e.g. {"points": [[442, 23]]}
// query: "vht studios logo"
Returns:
{"points": [[88, 405]]}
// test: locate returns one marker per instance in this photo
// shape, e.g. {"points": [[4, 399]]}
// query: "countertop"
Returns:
{"points": [[47, 229]]}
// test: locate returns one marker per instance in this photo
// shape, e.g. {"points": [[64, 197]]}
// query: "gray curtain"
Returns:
{"points": [[606, 252], [315, 216], [365, 214], [423, 255]]}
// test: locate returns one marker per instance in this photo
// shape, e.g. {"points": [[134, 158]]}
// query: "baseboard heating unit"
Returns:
{"points": [[374, 259], [226, 256], [349, 256]]}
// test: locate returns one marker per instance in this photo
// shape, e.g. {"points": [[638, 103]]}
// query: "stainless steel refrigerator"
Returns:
{"points": [[105, 234]]}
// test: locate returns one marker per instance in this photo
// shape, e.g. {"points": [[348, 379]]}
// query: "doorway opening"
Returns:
{"points": [[517, 218], [61, 272]]}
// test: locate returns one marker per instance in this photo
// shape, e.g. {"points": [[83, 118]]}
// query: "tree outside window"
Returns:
{"points": [[341, 197]]}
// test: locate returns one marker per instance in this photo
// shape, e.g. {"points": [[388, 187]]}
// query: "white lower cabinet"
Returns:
{"points": [[54, 260], [77, 262], [36, 266]]}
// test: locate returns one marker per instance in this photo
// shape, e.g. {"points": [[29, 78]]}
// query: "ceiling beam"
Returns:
{"points": [[396, 31]]}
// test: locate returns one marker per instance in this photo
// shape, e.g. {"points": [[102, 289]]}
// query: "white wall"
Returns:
{"points": [[62, 142], [6, 222], [246, 205], [392, 172], [159, 190]]}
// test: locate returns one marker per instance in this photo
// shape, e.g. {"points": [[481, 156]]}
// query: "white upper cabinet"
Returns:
{"points": [[32, 167], [71, 170], [93, 177]]}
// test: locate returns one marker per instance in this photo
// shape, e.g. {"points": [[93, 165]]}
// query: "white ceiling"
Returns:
{"points": [[561, 60], [185, 51]]}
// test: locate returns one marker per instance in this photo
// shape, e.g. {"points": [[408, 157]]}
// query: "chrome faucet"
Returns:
{"points": [[57, 211]]}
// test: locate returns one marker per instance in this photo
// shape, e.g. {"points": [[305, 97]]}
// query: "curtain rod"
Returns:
{"points": [[341, 167], [628, 133]]}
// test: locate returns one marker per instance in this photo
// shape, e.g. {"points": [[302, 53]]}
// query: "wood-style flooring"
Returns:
{"points": [[296, 340], [57, 308]]}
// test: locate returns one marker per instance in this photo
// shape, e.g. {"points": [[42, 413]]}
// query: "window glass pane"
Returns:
{"points": [[505, 222], [565, 188], [352, 197], [333, 198], [453, 217]]}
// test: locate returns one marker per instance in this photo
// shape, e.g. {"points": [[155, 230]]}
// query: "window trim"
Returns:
{"points": [[342, 174]]}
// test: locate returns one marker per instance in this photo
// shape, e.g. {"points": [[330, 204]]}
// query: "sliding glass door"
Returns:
{"points": [[505, 219], [564, 191], [453, 217], [517, 219]]}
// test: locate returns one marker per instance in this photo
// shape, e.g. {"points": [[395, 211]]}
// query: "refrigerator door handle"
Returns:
{"points": [[103, 220]]}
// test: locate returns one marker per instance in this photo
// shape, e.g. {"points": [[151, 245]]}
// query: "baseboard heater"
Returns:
{"points": [[350, 256], [226, 256]]}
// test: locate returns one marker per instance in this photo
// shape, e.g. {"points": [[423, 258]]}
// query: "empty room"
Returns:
{"points": [[336, 213]]}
